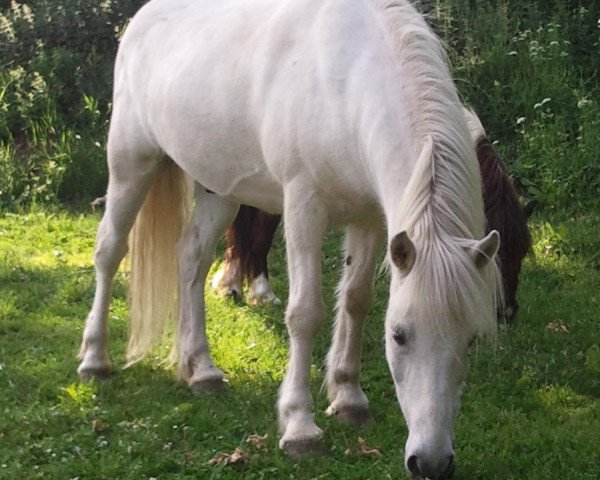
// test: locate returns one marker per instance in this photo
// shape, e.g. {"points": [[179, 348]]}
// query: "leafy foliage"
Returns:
{"points": [[55, 87], [529, 68]]}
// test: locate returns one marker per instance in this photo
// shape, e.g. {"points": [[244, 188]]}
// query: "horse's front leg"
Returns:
{"points": [[212, 214], [305, 225], [347, 400]]}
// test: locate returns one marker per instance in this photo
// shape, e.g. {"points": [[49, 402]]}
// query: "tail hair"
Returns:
{"points": [[153, 290]]}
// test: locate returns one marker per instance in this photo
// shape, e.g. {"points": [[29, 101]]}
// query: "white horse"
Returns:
{"points": [[332, 112]]}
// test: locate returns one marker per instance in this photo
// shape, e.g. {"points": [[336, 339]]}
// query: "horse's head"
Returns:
{"points": [[516, 243], [427, 341]]}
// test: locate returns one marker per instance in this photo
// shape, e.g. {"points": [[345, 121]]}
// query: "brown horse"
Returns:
{"points": [[250, 237], [503, 212]]}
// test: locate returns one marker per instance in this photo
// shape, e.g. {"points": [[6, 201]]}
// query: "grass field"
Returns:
{"points": [[531, 409]]}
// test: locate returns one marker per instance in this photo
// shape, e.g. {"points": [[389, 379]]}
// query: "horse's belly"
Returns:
{"points": [[244, 181]]}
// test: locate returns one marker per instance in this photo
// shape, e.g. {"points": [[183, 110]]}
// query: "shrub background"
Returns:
{"points": [[530, 69], [55, 88]]}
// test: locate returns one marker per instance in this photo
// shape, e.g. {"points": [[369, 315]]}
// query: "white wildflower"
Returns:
{"points": [[580, 104]]}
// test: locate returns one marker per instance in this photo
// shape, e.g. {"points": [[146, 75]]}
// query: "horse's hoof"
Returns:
{"points": [[97, 373], [311, 447], [234, 295], [353, 415], [263, 300], [259, 292], [208, 386]]}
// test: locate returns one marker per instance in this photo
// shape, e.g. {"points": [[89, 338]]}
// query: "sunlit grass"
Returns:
{"points": [[240, 335], [530, 410]]}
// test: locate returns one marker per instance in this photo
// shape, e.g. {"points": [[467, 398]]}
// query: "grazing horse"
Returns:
{"points": [[250, 236], [332, 112]]}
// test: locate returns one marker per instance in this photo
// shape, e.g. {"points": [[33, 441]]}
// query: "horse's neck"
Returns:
{"points": [[451, 181], [487, 157], [393, 186]]}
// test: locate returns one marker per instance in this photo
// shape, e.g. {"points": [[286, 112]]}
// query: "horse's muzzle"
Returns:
{"points": [[419, 467]]}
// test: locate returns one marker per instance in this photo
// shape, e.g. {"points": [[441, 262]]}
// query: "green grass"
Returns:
{"points": [[531, 409]]}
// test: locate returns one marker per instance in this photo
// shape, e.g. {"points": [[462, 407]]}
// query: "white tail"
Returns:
{"points": [[153, 291]]}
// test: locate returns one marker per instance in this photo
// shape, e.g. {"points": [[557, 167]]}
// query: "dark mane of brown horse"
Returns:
{"points": [[503, 209], [504, 212]]}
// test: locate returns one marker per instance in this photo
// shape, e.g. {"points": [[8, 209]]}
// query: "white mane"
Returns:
{"points": [[442, 207], [474, 124]]}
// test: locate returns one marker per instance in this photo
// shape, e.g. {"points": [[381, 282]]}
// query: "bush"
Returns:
{"points": [[529, 68], [55, 87], [530, 71]]}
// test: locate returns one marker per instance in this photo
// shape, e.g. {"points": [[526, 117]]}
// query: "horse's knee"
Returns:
{"points": [[356, 301], [304, 319]]}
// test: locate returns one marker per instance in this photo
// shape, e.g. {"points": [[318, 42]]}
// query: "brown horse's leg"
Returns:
{"points": [[254, 259], [228, 280], [249, 240]]}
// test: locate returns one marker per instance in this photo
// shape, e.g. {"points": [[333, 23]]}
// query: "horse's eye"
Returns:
{"points": [[399, 337]]}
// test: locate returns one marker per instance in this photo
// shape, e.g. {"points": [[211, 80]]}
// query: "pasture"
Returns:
{"points": [[531, 409]]}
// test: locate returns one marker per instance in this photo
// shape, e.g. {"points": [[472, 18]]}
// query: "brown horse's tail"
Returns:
{"points": [[153, 255]]}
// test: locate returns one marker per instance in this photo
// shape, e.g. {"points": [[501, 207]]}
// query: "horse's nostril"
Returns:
{"points": [[419, 467], [413, 465]]}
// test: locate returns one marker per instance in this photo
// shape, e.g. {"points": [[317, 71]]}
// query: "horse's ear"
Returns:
{"points": [[403, 253], [529, 208], [485, 249]]}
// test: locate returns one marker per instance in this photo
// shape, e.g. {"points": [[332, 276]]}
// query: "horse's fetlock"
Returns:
{"points": [[344, 376]]}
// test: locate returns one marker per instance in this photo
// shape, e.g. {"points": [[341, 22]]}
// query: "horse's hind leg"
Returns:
{"points": [[347, 399], [132, 169], [212, 214]]}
